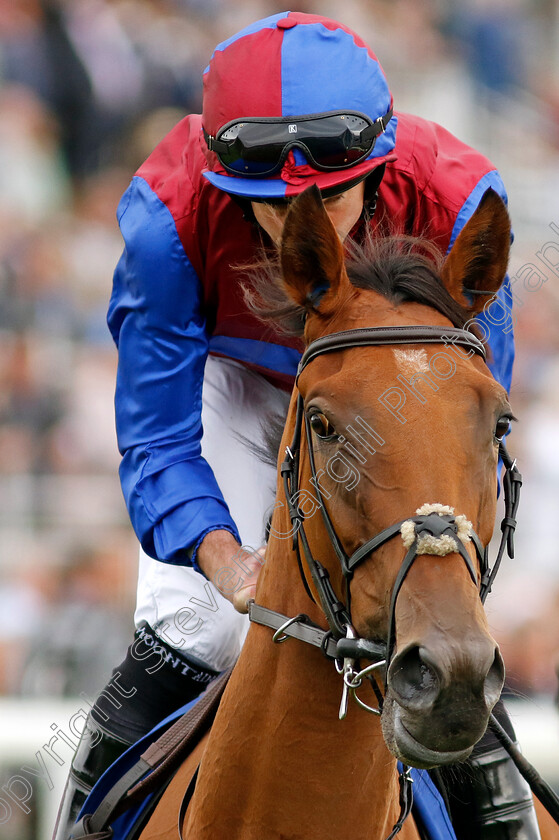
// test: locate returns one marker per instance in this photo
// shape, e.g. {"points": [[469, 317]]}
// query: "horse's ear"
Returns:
{"points": [[477, 262], [312, 255]]}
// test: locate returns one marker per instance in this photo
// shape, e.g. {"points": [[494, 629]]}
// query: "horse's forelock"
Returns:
{"points": [[404, 269]]}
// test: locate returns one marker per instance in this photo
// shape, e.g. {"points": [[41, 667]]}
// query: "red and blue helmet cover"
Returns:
{"points": [[291, 64]]}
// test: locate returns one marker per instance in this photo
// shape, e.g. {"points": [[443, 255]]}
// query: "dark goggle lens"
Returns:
{"points": [[253, 148], [260, 148]]}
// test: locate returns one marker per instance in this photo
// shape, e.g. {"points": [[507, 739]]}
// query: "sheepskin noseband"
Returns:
{"points": [[436, 534]]}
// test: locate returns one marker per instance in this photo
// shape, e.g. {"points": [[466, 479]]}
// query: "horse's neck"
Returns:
{"points": [[279, 763]]}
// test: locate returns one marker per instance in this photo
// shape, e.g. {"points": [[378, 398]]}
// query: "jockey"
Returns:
{"points": [[193, 357]]}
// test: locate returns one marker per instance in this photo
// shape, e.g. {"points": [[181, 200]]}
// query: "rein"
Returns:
{"points": [[340, 642]]}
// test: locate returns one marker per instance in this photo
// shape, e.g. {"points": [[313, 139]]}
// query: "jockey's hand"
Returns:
{"points": [[252, 561], [232, 569]]}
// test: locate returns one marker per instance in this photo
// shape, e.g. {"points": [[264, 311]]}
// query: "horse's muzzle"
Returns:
{"points": [[439, 704]]}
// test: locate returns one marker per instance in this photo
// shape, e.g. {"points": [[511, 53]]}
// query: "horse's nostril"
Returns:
{"points": [[494, 680], [413, 679]]}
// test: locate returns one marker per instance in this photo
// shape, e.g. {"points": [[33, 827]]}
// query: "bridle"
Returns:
{"points": [[340, 642]]}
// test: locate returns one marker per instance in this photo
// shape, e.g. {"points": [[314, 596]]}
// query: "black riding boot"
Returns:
{"points": [[153, 680], [96, 751], [487, 797], [503, 799]]}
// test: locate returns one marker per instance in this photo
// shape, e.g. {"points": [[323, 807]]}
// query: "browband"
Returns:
{"points": [[367, 336]]}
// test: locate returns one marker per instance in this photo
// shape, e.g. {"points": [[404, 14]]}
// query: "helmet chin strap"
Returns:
{"points": [[372, 185]]}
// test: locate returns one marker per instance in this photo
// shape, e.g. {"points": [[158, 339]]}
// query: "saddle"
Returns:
{"points": [[124, 798]]}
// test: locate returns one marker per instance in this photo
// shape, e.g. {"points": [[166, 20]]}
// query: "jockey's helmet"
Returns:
{"points": [[295, 100]]}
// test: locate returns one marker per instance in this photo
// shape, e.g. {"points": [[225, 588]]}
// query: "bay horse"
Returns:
{"points": [[395, 418]]}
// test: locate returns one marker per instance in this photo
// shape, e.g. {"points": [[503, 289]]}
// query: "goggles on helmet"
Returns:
{"points": [[258, 146]]}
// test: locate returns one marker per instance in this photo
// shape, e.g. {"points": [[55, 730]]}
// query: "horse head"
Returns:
{"points": [[399, 437]]}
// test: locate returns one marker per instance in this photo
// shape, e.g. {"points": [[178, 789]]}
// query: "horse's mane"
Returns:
{"points": [[401, 268]]}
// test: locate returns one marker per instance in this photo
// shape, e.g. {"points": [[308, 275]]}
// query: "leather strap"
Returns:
{"points": [[98, 835], [371, 545], [168, 752], [512, 482], [162, 757], [302, 628], [367, 336], [94, 826], [406, 800]]}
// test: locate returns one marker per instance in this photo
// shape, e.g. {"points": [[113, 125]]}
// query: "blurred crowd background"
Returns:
{"points": [[87, 88]]}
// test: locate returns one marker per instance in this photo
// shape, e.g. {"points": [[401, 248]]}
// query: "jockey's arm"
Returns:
{"points": [[156, 320]]}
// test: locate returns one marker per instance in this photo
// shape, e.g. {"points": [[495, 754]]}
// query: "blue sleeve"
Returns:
{"points": [[156, 321], [496, 321]]}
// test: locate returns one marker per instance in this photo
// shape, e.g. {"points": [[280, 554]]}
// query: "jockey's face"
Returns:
{"points": [[344, 210]]}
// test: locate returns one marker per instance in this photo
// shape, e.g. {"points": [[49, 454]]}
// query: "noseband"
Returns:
{"points": [[340, 642]]}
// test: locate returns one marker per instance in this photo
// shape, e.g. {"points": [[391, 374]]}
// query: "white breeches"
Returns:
{"points": [[176, 601]]}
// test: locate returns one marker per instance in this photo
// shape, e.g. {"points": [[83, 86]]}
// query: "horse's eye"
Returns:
{"points": [[320, 425], [503, 426]]}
